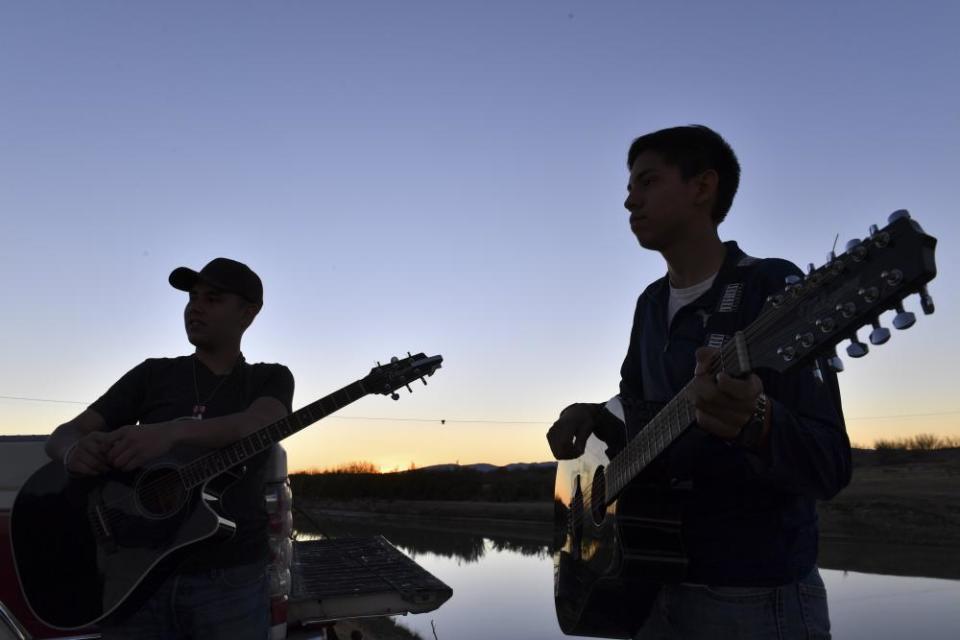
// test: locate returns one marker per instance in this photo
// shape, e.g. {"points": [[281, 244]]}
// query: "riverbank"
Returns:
{"points": [[900, 515], [893, 497]]}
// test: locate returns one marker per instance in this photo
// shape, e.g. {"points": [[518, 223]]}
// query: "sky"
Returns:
{"points": [[446, 177]]}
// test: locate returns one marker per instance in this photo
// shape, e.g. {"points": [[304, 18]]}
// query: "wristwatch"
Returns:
{"points": [[751, 434]]}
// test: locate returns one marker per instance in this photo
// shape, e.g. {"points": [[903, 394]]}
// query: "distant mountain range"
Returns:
{"points": [[486, 468]]}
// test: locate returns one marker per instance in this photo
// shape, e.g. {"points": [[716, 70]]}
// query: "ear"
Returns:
{"points": [[247, 314], [705, 187]]}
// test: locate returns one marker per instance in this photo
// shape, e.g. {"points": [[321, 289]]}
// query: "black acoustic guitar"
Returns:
{"points": [[616, 537], [86, 547]]}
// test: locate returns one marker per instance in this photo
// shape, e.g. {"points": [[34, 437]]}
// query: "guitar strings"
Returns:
{"points": [[642, 440], [208, 461], [175, 481]]}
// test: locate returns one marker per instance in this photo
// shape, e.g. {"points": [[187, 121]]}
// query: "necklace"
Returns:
{"points": [[200, 408]]}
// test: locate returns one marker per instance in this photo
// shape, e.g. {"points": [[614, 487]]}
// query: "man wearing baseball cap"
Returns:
{"points": [[218, 589]]}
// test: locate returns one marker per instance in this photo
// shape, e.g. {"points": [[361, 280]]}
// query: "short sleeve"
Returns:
{"points": [[122, 403], [273, 381]]}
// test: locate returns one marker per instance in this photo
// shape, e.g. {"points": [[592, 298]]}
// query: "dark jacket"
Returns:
{"points": [[751, 519]]}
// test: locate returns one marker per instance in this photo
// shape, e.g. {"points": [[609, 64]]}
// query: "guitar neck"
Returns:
{"points": [[216, 462], [665, 427]]}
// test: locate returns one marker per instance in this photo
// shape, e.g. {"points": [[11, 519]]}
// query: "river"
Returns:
{"points": [[503, 589]]}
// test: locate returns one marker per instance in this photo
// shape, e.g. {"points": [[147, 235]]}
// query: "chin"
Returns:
{"points": [[197, 341], [647, 242]]}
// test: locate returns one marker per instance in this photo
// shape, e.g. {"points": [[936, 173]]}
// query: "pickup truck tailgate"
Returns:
{"points": [[358, 577]]}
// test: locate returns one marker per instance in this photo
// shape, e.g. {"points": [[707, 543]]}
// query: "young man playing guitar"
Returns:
{"points": [[764, 447], [217, 589]]}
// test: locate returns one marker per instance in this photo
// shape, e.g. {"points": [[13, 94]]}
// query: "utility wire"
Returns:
{"points": [[481, 421]]}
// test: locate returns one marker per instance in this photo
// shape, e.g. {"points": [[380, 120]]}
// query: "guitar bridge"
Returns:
{"points": [[100, 526]]}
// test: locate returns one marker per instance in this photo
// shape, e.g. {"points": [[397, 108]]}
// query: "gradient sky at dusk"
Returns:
{"points": [[446, 177]]}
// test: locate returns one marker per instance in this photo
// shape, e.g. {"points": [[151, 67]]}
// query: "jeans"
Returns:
{"points": [[219, 604], [694, 612]]}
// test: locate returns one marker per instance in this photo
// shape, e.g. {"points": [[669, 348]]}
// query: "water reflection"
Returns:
{"points": [[463, 546], [503, 586]]}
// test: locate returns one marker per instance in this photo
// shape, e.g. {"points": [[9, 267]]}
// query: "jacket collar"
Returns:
{"points": [[660, 289]]}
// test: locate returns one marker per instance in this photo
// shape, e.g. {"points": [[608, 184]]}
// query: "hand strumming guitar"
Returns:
{"points": [[88, 455], [568, 435], [133, 446]]}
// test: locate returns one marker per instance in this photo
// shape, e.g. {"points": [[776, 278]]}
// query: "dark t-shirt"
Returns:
{"points": [[164, 389]]}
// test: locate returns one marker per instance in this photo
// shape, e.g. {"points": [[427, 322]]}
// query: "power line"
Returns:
{"points": [[42, 400], [458, 420], [482, 421]]}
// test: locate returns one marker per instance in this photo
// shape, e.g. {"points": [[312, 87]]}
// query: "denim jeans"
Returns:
{"points": [[219, 604], [795, 611]]}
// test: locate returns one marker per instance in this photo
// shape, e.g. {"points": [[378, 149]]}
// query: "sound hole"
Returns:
{"points": [[598, 496], [160, 493]]}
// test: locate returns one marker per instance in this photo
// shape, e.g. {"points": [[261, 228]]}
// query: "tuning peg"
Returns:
{"points": [[856, 249], [903, 319], [408, 388], [810, 268], [880, 238], [879, 335], [893, 277], [826, 324], [817, 374], [792, 283], [395, 395], [896, 215], [834, 362], [846, 309], [926, 301], [394, 359], [788, 353], [857, 349], [869, 294]]}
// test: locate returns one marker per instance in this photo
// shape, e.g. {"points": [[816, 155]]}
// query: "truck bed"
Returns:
{"points": [[359, 577]]}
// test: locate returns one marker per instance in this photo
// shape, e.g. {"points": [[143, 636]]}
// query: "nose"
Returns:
{"points": [[194, 306]]}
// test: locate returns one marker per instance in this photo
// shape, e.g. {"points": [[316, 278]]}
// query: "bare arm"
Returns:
{"points": [[133, 446], [81, 444]]}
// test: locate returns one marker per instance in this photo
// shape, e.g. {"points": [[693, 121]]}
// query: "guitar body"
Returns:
{"points": [[85, 546], [610, 558]]}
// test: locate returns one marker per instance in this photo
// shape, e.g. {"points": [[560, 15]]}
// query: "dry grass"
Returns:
{"points": [[919, 442]]}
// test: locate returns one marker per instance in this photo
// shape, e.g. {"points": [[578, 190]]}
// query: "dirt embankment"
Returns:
{"points": [[895, 497], [903, 497]]}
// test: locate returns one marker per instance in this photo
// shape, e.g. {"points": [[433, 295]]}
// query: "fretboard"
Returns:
{"points": [[212, 464], [665, 427]]}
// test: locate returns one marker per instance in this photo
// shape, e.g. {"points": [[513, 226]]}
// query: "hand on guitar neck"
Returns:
{"points": [[725, 405]]}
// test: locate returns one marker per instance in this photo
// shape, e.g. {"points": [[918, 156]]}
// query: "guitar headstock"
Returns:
{"points": [[831, 303], [385, 379]]}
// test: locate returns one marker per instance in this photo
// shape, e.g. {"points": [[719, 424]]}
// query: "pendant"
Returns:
{"points": [[198, 410]]}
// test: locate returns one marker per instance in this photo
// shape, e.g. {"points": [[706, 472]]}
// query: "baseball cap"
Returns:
{"points": [[224, 274]]}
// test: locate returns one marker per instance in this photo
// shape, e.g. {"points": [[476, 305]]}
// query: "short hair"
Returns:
{"points": [[694, 149]]}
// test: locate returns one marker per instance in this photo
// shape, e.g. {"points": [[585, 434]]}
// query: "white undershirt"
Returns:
{"points": [[680, 298]]}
